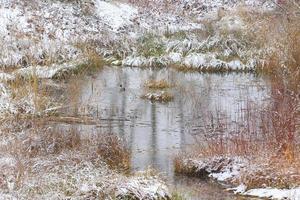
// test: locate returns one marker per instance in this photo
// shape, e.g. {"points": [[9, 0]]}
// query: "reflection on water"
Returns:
{"points": [[155, 132]]}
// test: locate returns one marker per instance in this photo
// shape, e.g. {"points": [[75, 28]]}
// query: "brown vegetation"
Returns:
{"points": [[157, 84], [114, 152], [268, 138]]}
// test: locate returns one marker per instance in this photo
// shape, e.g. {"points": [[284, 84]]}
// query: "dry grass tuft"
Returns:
{"points": [[94, 60], [157, 84], [113, 151]]}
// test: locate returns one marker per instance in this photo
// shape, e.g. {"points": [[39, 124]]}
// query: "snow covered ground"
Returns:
{"points": [[40, 163], [43, 32], [229, 170]]}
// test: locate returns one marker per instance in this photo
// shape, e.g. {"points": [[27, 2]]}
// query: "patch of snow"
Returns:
{"points": [[6, 76], [205, 61], [5, 98], [7, 161], [141, 61], [48, 72], [273, 193], [195, 60], [134, 61], [219, 168], [239, 189], [115, 14], [173, 28], [175, 57], [161, 96], [143, 188], [235, 64]]}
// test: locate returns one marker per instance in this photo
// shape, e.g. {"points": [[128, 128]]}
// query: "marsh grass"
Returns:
{"points": [[114, 152], [178, 35], [177, 196], [65, 156], [157, 84], [268, 138], [150, 45], [94, 60]]}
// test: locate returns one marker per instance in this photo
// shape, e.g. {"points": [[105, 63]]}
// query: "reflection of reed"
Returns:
{"points": [[153, 134], [122, 115]]}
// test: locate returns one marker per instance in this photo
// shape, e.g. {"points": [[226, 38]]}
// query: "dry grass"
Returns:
{"points": [[181, 168], [94, 60], [277, 33], [113, 151], [158, 91], [268, 139], [157, 84], [29, 95], [36, 149]]}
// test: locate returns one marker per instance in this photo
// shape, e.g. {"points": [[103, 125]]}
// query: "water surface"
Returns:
{"points": [[156, 132]]}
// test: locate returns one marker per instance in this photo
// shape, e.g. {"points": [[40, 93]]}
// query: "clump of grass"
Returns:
{"points": [[161, 96], [180, 35], [276, 35], [177, 196], [180, 168], [94, 60], [150, 45], [157, 84], [29, 94], [113, 151]]}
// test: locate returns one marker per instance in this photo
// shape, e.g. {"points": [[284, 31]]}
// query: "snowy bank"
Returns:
{"points": [[230, 170], [143, 187]]}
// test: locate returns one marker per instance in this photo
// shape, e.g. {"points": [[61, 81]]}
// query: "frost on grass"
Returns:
{"points": [[233, 170], [43, 32], [228, 47], [49, 72], [143, 187], [219, 168], [10, 104], [273, 193], [5, 98], [141, 61], [44, 163], [76, 176], [115, 14]]}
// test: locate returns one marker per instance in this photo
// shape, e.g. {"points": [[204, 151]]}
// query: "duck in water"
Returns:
{"points": [[122, 88]]}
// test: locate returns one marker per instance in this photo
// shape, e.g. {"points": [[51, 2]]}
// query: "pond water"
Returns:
{"points": [[156, 132]]}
